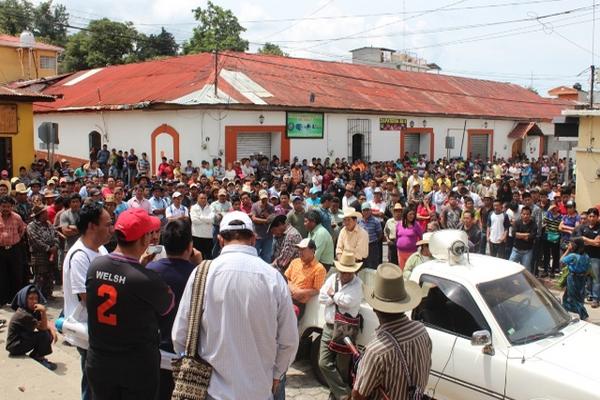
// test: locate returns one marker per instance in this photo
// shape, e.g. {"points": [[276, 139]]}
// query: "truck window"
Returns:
{"points": [[449, 307]]}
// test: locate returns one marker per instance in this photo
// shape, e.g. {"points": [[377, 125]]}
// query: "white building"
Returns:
{"points": [[169, 108]]}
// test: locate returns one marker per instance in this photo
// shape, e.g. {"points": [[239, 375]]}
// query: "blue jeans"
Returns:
{"points": [[280, 394], [86, 393], [264, 248], [523, 257]]}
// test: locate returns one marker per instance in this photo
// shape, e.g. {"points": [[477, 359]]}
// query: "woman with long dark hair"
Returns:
{"points": [[578, 264], [505, 193], [408, 233]]}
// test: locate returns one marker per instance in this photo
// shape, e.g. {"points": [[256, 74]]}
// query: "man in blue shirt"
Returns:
{"points": [[373, 228], [159, 204], [175, 270]]}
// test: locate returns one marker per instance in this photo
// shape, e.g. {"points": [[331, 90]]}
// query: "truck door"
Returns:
{"points": [[459, 369]]}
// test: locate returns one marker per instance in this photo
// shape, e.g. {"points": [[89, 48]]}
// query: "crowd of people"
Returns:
{"points": [[125, 240]]}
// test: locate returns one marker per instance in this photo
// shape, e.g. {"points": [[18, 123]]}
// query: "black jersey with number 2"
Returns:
{"points": [[124, 301]]}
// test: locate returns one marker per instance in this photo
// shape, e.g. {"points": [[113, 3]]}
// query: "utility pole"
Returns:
{"points": [[216, 82], [593, 69]]}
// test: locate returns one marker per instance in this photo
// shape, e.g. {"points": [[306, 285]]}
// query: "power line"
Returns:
{"points": [[444, 29], [298, 21]]}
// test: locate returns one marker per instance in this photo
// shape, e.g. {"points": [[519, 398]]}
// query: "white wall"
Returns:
{"points": [[126, 129]]}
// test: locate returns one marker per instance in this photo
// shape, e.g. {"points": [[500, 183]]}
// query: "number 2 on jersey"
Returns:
{"points": [[103, 316]]}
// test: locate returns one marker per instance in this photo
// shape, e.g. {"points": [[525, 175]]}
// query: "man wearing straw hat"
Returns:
{"points": [[341, 292], [353, 237], [384, 363]]}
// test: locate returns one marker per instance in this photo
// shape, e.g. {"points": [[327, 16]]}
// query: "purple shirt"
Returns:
{"points": [[407, 238]]}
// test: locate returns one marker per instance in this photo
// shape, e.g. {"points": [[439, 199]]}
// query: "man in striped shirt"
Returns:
{"points": [[398, 340]]}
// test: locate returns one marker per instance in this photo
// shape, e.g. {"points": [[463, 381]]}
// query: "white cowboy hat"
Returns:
{"points": [[350, 212], [347, 263]]}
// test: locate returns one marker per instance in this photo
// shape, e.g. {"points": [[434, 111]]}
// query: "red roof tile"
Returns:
{"points": [[290, 81], [15, 41]]}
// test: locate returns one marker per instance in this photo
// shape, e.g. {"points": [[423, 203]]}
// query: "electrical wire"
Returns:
{"points": [[298, 21]]}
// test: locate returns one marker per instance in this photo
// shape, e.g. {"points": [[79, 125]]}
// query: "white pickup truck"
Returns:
{"points": [[497, 332]]}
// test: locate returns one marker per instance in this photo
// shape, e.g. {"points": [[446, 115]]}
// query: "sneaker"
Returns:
{"points": [[595, 304], [48, 364]]}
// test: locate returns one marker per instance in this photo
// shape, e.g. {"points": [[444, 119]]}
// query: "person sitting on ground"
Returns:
{"points": [[29, 330], [305, 276]]}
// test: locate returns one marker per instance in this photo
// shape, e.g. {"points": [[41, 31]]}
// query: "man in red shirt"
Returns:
{"points": [[12, 229]]}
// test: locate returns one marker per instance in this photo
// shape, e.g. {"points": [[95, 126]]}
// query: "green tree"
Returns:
{"points": [[270, 48], [50, 23], [103, 42], [152, 46], [74, 57], [217, 29], [16, 16]]}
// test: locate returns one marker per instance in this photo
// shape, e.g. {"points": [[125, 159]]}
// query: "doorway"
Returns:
{"points": [[6, 155], [517, 148], [95, 141], [358, 140]]}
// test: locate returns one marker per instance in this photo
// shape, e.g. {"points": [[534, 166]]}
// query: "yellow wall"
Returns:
{"points": [[10, 64], [587, 162], [22, 142]]}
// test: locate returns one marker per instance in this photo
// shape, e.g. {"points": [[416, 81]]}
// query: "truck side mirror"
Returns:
{"points": [[483, 338]]}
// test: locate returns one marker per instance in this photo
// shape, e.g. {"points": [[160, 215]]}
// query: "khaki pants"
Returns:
{"points": [[334, 366]]}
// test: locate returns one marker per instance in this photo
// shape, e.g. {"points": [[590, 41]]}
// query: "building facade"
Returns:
{"points": [[22, 58], [170, 108], [16, 128]]}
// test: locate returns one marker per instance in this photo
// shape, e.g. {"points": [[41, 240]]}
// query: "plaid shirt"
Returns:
{"points": [[285, 249], [11, 230]]}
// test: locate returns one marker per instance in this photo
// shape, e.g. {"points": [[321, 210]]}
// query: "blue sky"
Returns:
{"points": [[468, 37]]}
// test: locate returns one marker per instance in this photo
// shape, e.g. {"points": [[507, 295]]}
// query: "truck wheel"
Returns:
{"points": [[314, 360]]}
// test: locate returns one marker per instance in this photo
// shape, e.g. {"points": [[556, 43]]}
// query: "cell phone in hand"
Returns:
{"points": [[155, 249]]}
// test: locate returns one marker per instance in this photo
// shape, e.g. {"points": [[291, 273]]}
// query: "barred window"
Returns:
{"points": [[47, 62]]}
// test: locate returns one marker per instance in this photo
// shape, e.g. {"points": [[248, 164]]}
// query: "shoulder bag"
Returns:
{"points": [[343, 325], [191, 374], [414, 392]]}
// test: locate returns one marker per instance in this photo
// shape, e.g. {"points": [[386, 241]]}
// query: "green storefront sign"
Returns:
{"points": [[304, 125]]}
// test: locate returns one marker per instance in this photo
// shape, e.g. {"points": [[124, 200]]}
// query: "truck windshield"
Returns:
{"points": [[525, 310]]}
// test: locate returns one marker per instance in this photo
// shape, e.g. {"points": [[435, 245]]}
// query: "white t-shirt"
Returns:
{"points": [[75, 267]]}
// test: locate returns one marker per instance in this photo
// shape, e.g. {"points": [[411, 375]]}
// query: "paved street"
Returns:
{"points": [[22, 378]]}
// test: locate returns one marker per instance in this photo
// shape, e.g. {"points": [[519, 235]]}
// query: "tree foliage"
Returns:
{"points": [[273, 49], [153, 46], [217, 29], [103, 42], [48, 22]]}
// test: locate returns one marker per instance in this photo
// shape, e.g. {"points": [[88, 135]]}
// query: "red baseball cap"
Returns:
{"points": [[135, 223]]}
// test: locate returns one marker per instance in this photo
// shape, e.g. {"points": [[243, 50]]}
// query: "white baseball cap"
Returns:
{"points": [[236, 221], [177, 194]]}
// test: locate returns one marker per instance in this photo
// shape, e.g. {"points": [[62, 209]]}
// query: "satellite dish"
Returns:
{"points": [[449, 245], [27, 39]]}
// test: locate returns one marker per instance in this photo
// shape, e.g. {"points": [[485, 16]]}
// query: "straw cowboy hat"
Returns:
{"points": [[21, 188], [350, 212], [347, 263], [390, 292], [426, 238]]}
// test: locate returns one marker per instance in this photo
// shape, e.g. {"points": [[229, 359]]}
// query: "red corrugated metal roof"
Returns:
{"points": [[15, 41], [290, 81], [7, 93]]}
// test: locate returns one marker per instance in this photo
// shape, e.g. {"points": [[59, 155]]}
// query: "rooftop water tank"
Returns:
{"points": [[27, 39]]}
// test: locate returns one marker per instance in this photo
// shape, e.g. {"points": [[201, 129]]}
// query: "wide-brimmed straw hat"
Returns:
{"points": [[390, 292], [350, 212], [347, 263], [425, 240]]}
